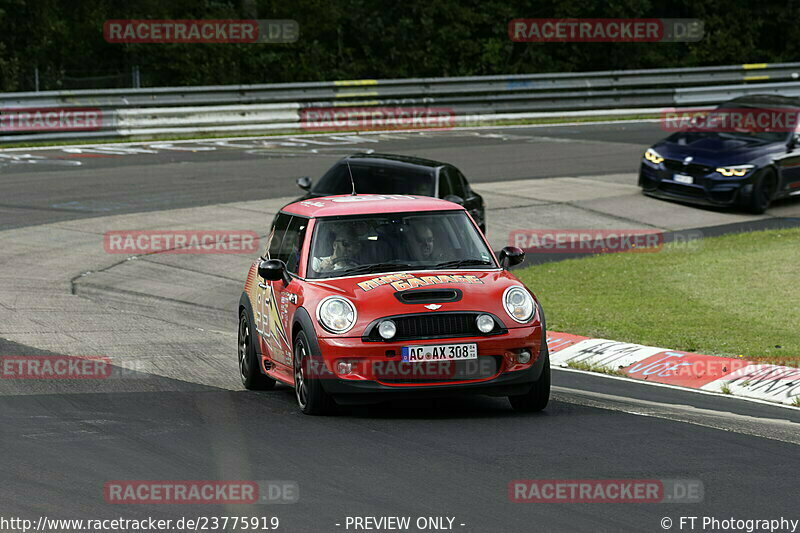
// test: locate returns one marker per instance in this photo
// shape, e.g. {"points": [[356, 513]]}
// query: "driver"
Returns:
{"points": [[427, 244], [346, 248]]}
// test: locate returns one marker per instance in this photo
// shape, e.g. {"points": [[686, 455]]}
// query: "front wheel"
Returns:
{"points": [[311, 397], [535, 399], [249, 368], [764, 187]]}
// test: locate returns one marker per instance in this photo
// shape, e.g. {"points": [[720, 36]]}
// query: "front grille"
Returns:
{"points": [[692, 169], [723, 196], [432, 326], [682, 190], [483, 367]]}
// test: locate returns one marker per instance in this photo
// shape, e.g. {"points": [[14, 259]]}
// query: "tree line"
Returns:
{"points": [[61, 41]]}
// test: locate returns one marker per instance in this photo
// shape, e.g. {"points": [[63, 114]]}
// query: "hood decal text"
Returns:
{"points": [[401, 282]]}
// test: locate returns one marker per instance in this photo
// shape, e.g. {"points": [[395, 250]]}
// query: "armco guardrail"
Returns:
{"points": [[165, 111]]}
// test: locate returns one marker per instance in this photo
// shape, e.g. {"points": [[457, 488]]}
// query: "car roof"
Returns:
{"points": [[364, 204], [393, 160], [762, 100]]}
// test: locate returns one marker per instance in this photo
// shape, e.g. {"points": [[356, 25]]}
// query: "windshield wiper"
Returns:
{"points": [[377, 267], [462, 263]]}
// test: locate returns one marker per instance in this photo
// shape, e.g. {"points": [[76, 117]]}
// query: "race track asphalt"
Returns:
{"points": [[182, 414], [40, 186]]}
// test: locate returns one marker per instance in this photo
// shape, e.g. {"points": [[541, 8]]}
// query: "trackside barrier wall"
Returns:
{"points": [[271, 108]]}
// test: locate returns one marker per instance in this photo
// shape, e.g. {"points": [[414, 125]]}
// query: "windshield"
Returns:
{"points": [[373, 179], [767, 124], [344, 246]]}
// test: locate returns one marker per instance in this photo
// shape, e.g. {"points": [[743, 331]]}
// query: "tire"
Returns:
{"points": [[249, 365], [312, 399], [764, 188], [535, 399]]}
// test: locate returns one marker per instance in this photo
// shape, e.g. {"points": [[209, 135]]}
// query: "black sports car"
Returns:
{"points": [[397, 174], [743, 166]]}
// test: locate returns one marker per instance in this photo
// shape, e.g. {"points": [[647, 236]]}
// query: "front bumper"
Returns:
{"points": [[709, 188], [366, 385]]}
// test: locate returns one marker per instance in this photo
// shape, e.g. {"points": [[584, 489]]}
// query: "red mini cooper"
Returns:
{"points": [[366, 298]]}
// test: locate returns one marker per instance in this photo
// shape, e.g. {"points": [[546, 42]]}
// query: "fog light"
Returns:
{"points": [[485, 323], [344, 367], [387, 329], [524, 357]]}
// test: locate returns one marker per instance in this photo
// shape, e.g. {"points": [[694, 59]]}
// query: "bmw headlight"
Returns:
{"points": [[653, 156], [336, 314], [518, 304], [738, 170]]}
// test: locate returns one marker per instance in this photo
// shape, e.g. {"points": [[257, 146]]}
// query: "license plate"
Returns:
{"points": [[441, 352], [683, 178]]}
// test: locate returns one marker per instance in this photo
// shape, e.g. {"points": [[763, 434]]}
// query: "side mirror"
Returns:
{"points": [[304, 183], [794, 141], [271, 269], [510, 256], [455, 199]]}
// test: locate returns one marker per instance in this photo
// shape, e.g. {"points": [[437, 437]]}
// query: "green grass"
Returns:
{"points": [[736, 295], [589, 367], [567, 120]]}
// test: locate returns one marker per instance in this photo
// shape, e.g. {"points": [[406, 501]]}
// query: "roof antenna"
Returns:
{"points": [[352, 181]]}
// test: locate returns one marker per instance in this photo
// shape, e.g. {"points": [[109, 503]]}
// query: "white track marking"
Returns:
{"points": [[675, 387], [394, 134]]}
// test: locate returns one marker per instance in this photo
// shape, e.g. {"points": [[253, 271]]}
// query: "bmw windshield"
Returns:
{"points": [[364, 244], [765, 124]]}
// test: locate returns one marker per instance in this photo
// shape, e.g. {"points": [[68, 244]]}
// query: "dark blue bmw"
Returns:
{"points": [[742, 166]]}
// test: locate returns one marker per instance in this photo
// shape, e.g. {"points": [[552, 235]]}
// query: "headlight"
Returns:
{"points": [[336, 314], [518, 303], [738, 170], [653, 156]]}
